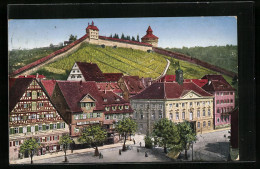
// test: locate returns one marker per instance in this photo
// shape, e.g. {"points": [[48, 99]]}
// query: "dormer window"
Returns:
{"points": [[126, 107], [79, 76], [120, 107], [88, 106], [113, 108], [117, 99], [105, 100], [107, 108]]}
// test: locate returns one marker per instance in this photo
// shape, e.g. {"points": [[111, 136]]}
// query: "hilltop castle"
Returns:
{"points": [[148, 41]]}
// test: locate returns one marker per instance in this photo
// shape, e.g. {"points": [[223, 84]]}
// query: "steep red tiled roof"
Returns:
{"points": [[112, 77], [17, 90], [92, 26], [33, 76], [91, 72], [49, 86], [74, 92], [149, 34], [134, 84], [170, 90], [216, 83], [109, 86], [199, 82], [11, 82], [125, 41], [167, 78]]}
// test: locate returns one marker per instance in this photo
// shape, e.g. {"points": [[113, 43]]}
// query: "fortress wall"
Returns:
{"points": [[118, 44]]}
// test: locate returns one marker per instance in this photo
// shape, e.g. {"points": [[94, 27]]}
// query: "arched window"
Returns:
{"points": [[191, 115], [177, 115], [218, 120], [160, 114], [198, 125], [208, 123], [204, 124]]}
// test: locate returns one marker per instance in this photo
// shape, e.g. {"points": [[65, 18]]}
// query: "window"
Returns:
{"points": [[79, 76], [107, 117], [33, 116], [24, 129], [40, 127], [231, 93], [160, 114], [198, 103], [183, 104], [76, 117], [204, 113], [153, 116], [141, 115], [177, 116], [203, 103], [218, 93], [55, 126], [120, 107], [47, 126], [25, 105], [218, 120], [160, 106], [115, 116], [221, 93], [91, 115], [217, 101], [28, 94], [191, 115], [218, 110], [198, 125], [208, 112], [204, 124], [113, 108], [177, 105], [170, 106], [183, 115], [126, 107], [170, 116], [107, 108], [72, 76], [98, 115], [190, 104], [208, 102], [76, 130], [231, 100], [16, 130], [208, 123], [141, 126], [198, 113]]}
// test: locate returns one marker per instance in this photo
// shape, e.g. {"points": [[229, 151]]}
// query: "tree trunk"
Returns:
{"points": [[65, 160], [186, 156], [124, 148], [165, 149], [31, 158], [96, 151]]}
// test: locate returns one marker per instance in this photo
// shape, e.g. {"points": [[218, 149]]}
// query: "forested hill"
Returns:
{"points": [[222, 56]]}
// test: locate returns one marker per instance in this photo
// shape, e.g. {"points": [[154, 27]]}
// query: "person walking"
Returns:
{"points": [[140, 144], [134, 140]]}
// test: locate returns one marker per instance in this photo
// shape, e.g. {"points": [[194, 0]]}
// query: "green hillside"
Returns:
{"points": [[125, 60], [223, 56], [20, 58]]}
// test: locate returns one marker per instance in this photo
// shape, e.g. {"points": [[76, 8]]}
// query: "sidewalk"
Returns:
{"points": [[61, 153], [216, 130]]}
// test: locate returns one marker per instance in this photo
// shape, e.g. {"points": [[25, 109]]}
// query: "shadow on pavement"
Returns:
{"points": [[220, 148]]}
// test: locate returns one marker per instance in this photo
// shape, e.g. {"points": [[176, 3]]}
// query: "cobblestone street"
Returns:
{"points": [[211, 146]]}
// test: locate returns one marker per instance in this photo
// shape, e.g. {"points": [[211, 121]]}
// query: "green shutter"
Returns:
{"points": [[51, 126], [24, 117], [94, 115], [10, 119], [58, 125], [54, 114], [42, 116], [36, 128], [101, 114], [88, 115], [20, 130], [81, 116], [11, 130], [43, 127], [28, 129]]}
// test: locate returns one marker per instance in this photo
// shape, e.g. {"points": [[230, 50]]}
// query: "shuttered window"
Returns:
{"points": [[43, 127], [34, 105], [36, 128], [58, 126], [51, 126], [34, 95], [20, 130], [29, 129]]}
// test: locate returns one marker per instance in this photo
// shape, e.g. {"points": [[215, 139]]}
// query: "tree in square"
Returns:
{"points": [[30, 145], [94, 135], [126, 126], [65, 140], [167, 134]]}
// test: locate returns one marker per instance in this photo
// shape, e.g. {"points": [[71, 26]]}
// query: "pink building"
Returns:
{"points": [[224, 101]]}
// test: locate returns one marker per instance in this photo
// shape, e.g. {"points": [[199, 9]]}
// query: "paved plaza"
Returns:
{"points": [[211, 146]]}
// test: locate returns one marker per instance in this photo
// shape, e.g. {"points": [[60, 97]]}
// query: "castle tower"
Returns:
{"points": [[92, 31], [150, 38]]}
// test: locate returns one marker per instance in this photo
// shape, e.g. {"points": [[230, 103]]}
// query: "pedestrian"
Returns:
{"points": [[99, 155], [119, 151], [140, 144], [146, 154], [134, 140]]}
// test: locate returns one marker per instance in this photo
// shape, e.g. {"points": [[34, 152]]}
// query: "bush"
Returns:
{"points": [[148, 142]]}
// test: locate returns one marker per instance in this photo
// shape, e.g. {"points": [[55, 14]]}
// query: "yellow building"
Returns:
{"points": [[177, 102]]}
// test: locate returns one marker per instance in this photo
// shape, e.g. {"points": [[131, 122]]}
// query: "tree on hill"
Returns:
{"points": [[29, 145], [72, 38], [128, 37], [126, 126], [187, 136], [65, 140], [122, 36], [137, 38], [133, 38], [167, 134], [110, 36], [94, 135]]}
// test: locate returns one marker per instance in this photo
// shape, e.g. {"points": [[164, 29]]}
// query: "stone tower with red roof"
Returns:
{"points": [[92, 31], [150, 37]]}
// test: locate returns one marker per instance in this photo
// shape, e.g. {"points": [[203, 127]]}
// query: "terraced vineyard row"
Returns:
{"points": [[110, 60]]}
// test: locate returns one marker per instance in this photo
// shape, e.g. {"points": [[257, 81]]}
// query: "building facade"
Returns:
{"points": [[32, 114], [174, 101], [224, 99]]}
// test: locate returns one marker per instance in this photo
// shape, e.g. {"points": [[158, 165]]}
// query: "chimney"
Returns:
{"points": [[149, 83], [209, 82], [92, 23], [105, 91]]}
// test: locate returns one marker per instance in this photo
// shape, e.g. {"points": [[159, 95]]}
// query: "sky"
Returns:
{"points": [[172, 31]]}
